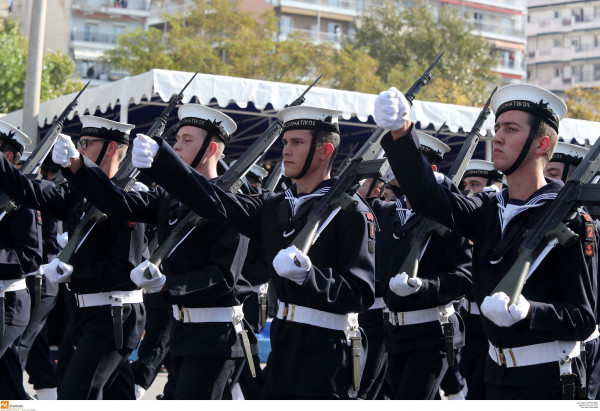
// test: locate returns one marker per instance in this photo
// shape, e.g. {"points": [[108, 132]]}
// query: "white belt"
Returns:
{"points": [[12, 285], [595, 334], [379, 303], [555, 351], [208, 314], [261, 288], [298, 314], [114, 298], [440, 313]]}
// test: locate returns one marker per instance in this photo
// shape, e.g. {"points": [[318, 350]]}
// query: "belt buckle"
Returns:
{"points": [[286, 311], [502, 356]]}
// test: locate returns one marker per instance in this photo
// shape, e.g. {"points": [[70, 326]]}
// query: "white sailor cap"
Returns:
{"points": [[569, 153], [106, 129], [432, 148], [532, 99], [309, 118], [13, 136], [482, 168], [216, 123]]}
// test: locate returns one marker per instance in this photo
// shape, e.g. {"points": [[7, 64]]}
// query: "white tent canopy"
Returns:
{"points": [[139, 90]]}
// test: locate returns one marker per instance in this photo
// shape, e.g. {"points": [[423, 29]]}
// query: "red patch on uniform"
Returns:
{"points": [[587, 217], [588, 249], [370, 216], [131, 224], [38, 217]]}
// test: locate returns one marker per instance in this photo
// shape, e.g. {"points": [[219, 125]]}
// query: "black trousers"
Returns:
{"points": [[592, 369], [17, 310], [94, 366], [154, 347], [203, 378], [417, 374], [373, 377], [251, 386], [34, 343], [453, 381], [472, 366]]}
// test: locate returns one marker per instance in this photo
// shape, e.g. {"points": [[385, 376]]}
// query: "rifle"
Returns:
{"points": [[364, 164], [230, 181], [551, 228], [124, 178], [39, 154], [410, 264], [274, 176], [347, 160]]}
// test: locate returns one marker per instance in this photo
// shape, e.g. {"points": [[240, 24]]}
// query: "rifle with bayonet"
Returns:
{"points": [[124, 178], [230, 181], [427, 227], [364, 164], [37, 157], [551, 228]]}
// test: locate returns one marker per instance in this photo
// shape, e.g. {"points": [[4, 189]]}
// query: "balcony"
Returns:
{"points": [[496, 31], [344, 7], [129, 8], [562, 25], [314, 35], [103, 38], [563, 54]]}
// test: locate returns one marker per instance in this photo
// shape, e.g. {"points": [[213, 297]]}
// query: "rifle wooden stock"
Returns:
{"points": [[551, 225]]}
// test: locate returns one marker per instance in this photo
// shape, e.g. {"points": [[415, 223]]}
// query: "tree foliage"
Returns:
{"points": [[217, 37], [405, 41], [57, 70], [583, 103]]}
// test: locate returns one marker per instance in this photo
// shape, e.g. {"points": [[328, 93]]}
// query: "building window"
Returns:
{"points": [[596, 72], [556, 72], [285, 25], [90, 32]]}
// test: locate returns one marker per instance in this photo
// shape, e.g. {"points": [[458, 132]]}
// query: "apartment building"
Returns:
{"points": [[563, 44]]}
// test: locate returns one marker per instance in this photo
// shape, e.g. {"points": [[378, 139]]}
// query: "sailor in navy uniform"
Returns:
{"points": [[32, 346], [420, 308], [480, 175], [201, 273], [316, 323], [98, 272], [533, 345], [20, 255], [565, 159]]}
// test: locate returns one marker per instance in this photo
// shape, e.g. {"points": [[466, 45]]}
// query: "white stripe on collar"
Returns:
{"points": [[296, 202]]}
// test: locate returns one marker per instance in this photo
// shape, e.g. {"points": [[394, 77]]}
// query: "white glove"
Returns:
{"points": [[64, 150], [62, 239], [152, 285], [286, 267], [143, 152], [137, 186], [495, 307], [51, 271], [403, 286], [391, 109]]}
